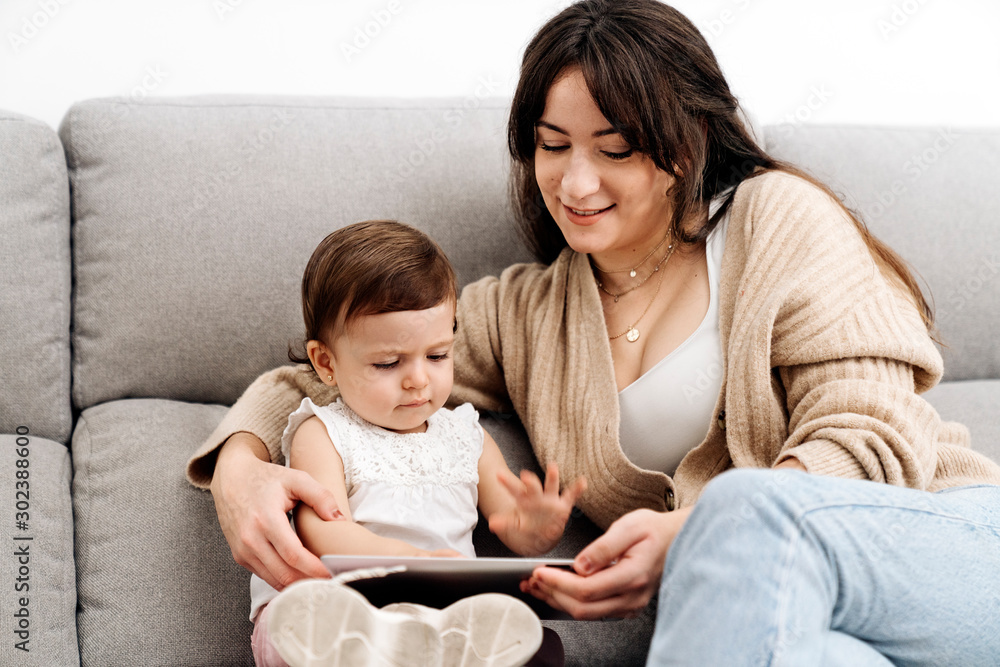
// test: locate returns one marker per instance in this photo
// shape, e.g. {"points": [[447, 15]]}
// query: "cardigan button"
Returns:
{"points": [[722, 420], [668, 498]]}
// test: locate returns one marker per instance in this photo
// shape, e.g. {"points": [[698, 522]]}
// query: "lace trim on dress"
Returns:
{"points": [[447, 453]]}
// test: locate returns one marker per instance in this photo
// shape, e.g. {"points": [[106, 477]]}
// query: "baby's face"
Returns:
{"points": [[395, 369]]}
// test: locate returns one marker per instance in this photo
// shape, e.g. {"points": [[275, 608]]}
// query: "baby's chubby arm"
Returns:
{"points": [[313, 452], [526, 515]]}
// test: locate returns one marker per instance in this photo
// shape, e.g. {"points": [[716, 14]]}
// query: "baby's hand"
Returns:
{"points": [[440, 553], [535, 521]]}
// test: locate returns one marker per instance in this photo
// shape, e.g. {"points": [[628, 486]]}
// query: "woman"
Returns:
{"points": [[671, 243]]}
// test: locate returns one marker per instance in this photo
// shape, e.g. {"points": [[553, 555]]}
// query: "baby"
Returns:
{"points": [[379, 302]]}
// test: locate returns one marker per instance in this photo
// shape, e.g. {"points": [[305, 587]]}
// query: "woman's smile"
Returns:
{"points": [[585, 216]]}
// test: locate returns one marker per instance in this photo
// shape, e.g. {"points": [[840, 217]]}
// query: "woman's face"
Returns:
{"points": [[607, 199]]}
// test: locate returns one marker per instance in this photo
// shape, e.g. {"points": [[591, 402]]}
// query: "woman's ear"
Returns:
{"points": [[322, 361]]}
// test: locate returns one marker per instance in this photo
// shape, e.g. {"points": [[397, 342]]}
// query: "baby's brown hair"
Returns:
{"points": [[368, 268]]}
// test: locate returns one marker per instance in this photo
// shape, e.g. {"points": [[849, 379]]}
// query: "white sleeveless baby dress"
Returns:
{"points": [[421, 488]]}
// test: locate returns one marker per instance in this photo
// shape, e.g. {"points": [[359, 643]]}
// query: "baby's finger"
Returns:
{"points": [[447, 553], [514, 485], [532, 484], [575, 490], [552, 479], [499, 523]]}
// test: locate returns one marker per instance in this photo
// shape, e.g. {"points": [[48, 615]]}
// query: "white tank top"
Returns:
{"points": [[421, 488], [666, 412]]}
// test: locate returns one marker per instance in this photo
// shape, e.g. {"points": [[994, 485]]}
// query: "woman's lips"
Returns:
{"points": [[584, 216]]}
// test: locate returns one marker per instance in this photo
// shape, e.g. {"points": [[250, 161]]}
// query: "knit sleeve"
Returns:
{"points": [[263, 411], [861, 419], [479, 376], [847, 349]]}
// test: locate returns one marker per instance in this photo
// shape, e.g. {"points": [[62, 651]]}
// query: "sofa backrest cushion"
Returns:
{"points": [[933, 196], [34, 280], [194, 218]]}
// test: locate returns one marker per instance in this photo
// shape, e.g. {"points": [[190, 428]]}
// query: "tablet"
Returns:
{"points": [[438, 582]]}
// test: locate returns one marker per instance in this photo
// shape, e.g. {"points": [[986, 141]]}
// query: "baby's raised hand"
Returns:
{"points": [[534, 522]]}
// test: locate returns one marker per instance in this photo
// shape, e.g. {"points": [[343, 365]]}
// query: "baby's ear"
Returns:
{"points": [[322, 361]]}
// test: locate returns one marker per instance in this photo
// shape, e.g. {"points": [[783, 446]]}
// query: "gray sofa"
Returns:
{"points": [[150, 255]]}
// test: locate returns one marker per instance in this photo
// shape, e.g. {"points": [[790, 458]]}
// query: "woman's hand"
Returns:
{"points": [[252, 497], [618, 573], [535, 521]]}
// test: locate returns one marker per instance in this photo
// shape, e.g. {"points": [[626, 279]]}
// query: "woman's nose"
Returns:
{"points": [[580, 178]]}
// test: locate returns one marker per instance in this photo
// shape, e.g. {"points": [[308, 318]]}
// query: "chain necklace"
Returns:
{"points": [[663, 260], [632, 333], [632, 271]]}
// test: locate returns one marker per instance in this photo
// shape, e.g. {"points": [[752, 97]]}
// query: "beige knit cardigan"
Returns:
{"points": [[823, 358]]}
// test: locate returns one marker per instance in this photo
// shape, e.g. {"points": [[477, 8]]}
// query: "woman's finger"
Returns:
{"points": [[609, 547], [621, 606], [621, 578], [291, 561], [305, 488], [643, 534]]}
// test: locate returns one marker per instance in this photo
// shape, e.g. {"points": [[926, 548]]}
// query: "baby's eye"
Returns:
{"points": [[618, 155], [552, 149], [437, 357], [386, 366]]}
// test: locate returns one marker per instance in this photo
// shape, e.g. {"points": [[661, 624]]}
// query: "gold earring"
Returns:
{"points": [[330, 378]]}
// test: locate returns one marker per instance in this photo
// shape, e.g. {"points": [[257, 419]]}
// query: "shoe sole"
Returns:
{"points": [[319, 623]]}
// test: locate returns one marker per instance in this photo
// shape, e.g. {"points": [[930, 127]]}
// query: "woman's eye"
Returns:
{"points": [[552, 149], [385, 367], [618, 155]]}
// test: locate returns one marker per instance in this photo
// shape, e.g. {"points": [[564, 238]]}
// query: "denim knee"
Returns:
{"points": [[747, 494]]}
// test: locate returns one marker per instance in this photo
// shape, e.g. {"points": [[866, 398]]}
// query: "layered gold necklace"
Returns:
{"points": [[632, 332]]}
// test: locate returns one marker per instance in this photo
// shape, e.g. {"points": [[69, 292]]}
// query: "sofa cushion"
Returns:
{"points": [[194, 218], [156, 581], [35, 274], [38, 596], [932, 195]]}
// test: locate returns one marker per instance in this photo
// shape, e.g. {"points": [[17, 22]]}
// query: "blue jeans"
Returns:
{"points": [[785, 568]]}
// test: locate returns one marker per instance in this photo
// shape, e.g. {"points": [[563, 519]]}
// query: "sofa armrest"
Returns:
{"points": [[37, 571]]}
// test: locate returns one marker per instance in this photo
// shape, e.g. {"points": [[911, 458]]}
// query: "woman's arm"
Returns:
{"points": [[252, 495], [313, 454], [262, 411], [479, 377], [526, 515], [847, 350]]}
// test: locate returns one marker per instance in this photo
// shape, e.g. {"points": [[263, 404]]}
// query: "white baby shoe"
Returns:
{"points": [[320, 622]]}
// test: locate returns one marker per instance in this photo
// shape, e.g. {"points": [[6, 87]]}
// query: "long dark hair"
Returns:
{"points": [[655, 79]]}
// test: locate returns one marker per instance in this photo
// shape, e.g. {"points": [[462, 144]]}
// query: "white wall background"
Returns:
{"points": [[910, 62]]}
